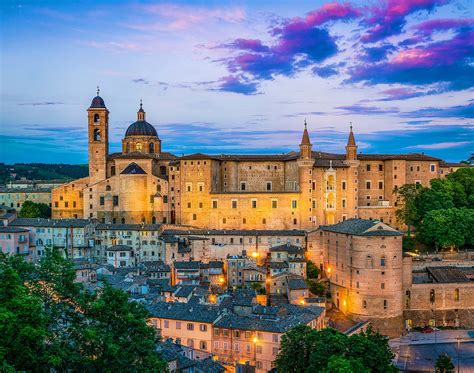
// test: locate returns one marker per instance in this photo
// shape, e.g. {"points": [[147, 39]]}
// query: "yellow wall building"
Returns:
{"points": [[296, 190]]}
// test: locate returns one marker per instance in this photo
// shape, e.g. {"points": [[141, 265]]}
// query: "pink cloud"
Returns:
{"points": [[389, 19], [183, 17]]}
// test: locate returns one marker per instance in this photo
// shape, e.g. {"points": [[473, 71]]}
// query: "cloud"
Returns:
{"points": [[42, 103], [446, 62], [115, 46], [237, 85], [297, 44], [328, 70], [141, 80], [366, 110], [389, 18], [458, 111], [427, 28], [441, 145], [183, 17], [402, 93], [376, 54]]}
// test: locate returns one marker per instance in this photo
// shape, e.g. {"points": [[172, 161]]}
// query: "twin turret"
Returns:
{"points": [[306, 146]]}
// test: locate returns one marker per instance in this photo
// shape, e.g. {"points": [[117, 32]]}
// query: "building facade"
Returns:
{"points": [[296, 190]]}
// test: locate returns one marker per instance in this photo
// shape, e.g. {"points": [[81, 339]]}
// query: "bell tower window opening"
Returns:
{"points": [[97, 134], [96, 118]]}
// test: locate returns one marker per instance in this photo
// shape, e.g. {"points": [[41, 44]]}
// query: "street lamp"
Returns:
{"points": [[255, 340]]}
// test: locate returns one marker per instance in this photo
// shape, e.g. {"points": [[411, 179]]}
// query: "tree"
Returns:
{"points": [[311, 270], [444, 364], [23, 326], [451, 228], [316, 287], [341, 364], [306, 350], [82, 331], [406, 200], [31, 209]]}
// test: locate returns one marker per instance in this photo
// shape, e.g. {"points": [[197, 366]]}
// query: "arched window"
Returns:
{"points": [[456, 295], [153, 220], [97, 134], [123, 220], [432, 296], [139, 147], [151, 148], [163, 170], [96, 118], [108, 188], [158, 188]]}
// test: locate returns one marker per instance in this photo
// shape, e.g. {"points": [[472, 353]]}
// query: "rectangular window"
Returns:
{"points": [[190, 326], [364, 304], [432, 167], [380, 184], [385, 304], [178, 325], [274, 204], [380, 167], [200, 187], [275, 338], [254, 203], [294, 204], [102, 201], [234, 203], [368, 167], [259, 349], [216, 345], [243, 186], [275, 351], [115, 200], [343, 185], [368, 184], [203, 328], [382, 285], [214, 204], [166, 324], [269, 186], [343, 203], [216, 332]]}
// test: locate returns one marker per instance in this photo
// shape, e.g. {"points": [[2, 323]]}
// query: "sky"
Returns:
{"points": [[238, 76]]}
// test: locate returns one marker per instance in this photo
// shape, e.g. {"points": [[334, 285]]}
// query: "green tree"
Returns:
{"points": [[444, 364], [42, 305], [451, 228], [31, 209], [311, 270], [407, 209], [306, 350], [23, 326], [465, 177], [117, 336], [341, 364], [295, 349], [316, 287]]}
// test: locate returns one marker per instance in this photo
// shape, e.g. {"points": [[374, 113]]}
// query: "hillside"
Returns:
{"points": [[41, 171]]}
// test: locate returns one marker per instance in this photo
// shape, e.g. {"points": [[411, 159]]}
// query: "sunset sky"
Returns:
{"points": [[239, 77]]}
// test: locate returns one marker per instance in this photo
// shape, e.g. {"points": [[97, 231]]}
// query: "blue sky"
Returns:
{"points": [[239, 77]]}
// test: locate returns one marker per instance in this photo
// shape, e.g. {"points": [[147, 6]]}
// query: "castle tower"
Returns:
{"points": [[305, 166], [351, 148], [305, 146], [98, 126]]}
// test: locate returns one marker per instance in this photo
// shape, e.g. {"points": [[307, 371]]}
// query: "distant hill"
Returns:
{"points": [[41, 171]]}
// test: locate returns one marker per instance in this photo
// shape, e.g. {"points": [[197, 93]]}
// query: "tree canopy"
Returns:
{"points": [[31, 209], [444, 364], [306, 350], [49, 322], [443, 213]]}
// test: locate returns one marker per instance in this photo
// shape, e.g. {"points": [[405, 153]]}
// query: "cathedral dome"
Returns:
{"points": [[141, 128]]}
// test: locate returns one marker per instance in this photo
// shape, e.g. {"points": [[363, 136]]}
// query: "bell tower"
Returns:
{"points": [[351, 148], [98, 126]]}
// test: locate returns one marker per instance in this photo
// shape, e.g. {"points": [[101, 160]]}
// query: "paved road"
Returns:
{"points": [[417, 352]]}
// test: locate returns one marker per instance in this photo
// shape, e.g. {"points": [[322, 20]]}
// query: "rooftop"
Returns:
{"points": [[59, 223], [361, 227]]}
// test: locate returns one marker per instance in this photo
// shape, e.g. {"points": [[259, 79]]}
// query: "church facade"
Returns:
{"points": [[296, 190]]}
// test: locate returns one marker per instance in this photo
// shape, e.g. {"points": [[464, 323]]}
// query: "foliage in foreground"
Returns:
{"points": [[305, 350], [47, 321], [444, 364]]}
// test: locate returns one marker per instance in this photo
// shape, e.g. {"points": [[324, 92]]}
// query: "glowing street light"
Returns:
{"points": [[255, 254]]}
